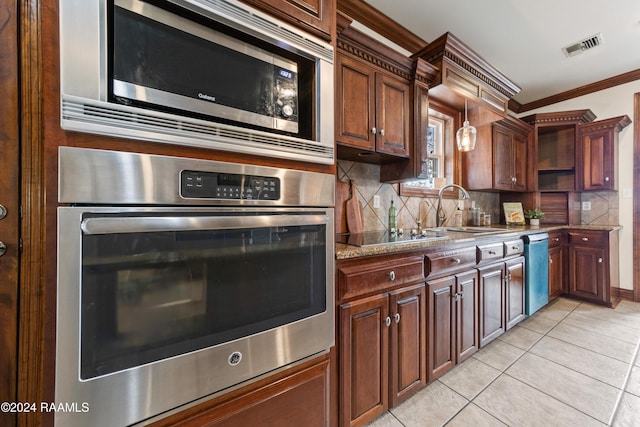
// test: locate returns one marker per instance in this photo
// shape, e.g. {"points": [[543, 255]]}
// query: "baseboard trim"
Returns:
{"points": [[626, 294]]}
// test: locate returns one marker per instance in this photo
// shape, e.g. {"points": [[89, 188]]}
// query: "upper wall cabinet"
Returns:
{"points": [[373, 99], [314, 16], [597, 154], [500, 160], [464, 74]]}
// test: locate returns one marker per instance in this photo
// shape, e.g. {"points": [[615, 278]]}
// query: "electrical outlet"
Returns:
{"points": [[376, 201], [586, 206]]}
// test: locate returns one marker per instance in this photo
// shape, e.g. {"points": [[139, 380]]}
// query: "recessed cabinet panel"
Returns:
{"points": [[467, 319], [441, 325], [364, 359], [393, 116], [408, 342], [356, 104], [492, 303]]}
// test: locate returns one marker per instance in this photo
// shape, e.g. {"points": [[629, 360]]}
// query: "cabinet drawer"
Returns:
{"points": [[584, 237], [513, 247], [445, 262], [377, 276], [557, 238], [490, 252]]}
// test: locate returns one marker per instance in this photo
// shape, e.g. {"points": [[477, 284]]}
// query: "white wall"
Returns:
{"points": [[608, 103]]}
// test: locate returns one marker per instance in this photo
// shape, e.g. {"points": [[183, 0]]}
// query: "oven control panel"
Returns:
{"points": [[213, 185]]}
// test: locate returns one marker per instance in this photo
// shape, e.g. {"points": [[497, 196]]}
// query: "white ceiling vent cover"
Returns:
{"points": [[581, 46]]}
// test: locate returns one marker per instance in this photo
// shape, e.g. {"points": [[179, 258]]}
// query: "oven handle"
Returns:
{"points": [[192, 223]]}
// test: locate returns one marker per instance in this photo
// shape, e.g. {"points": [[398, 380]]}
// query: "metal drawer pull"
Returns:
{"points": [[397, 317], [387, 321], [392, 275], [557, 239], [455, 260], [515, 248], [492, 252], [585, 239]]}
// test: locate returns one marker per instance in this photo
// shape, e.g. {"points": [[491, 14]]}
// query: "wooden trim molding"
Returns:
{"points": [[636, 197], [375, 20], [580, 91], [619, 293], [32, 366]]}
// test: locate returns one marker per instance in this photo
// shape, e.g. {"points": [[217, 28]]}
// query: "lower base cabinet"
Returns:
{"points": [[452, 320], [382, 352], [501, 298]]}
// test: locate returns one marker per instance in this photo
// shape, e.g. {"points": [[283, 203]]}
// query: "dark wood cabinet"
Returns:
{"points": [[514, 288], [451, 312], [511, 145], [408, 342], [500, 159], [501, 289], [372, 109], [298, 396], [382, 335], [597, 154], [491, 316], [593, 265], [557, 262], [364, 363], [314, 16]]}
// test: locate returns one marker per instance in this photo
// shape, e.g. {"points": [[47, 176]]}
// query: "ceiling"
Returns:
{"points": [[524, 40]]}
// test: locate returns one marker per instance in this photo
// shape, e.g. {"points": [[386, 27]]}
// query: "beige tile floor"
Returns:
{"points": [[570, 364]]}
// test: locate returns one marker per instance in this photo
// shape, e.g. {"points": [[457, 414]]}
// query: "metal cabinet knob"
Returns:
{"points": [[456, 260], [600, 260], [374, 131], [3, 248], [392, 275], [382, 132], [550, 260], [3, 212], [606, 178], [585, 239], [397, 317], [387, 321], [557, 239]]}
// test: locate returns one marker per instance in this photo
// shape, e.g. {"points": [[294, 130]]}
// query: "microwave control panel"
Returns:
{"points": [[213, 185]]}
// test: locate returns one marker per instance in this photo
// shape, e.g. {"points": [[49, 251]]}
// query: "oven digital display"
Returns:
{"points": [[213, 185]]}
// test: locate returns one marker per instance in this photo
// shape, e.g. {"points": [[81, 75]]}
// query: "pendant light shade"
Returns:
{"points": [[466, 135]]}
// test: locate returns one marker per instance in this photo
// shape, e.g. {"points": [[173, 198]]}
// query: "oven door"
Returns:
{"points": [[159, 307]]}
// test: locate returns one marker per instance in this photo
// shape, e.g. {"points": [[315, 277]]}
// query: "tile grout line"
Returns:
{"points": [[624, 384], [504, 372]]}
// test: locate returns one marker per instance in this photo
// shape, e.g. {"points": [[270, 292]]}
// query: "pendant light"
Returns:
{"points": [[466, 135]]}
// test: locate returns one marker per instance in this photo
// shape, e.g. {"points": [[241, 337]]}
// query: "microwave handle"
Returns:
{"points": [[194, 223]]}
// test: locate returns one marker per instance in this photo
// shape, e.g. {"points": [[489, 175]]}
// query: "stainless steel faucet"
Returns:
{"points": [[440, 216]]}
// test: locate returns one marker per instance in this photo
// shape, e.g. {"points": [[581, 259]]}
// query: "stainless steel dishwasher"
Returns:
{"points": [[536, 254]]}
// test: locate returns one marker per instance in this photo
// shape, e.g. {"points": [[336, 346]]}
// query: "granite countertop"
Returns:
{"points": [[346, 251]]}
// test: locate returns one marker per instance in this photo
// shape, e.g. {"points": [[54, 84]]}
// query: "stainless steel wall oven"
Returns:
{"points": [[180, 278]]}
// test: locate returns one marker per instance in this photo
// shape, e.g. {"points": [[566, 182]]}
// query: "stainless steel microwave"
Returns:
{"points": [[214, 74]]}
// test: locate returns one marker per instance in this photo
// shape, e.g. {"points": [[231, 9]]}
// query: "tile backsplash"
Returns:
{"points": [[366, 181]]}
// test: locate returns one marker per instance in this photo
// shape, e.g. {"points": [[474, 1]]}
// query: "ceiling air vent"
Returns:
{"points": [[581, 46]]}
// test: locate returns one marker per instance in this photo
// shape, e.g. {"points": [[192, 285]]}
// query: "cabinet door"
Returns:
{"points": [[355, 106], [515, 291], [597, 161], [503, 158], [587, 272], [408, 370], [392, 107], [556, 270], [520, 153], [492, 322], [441, 326], [466, 315], [364, 362]]}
